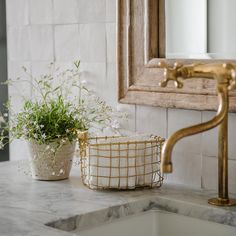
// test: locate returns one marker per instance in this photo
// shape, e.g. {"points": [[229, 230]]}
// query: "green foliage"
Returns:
{"points": [[61, 106]]}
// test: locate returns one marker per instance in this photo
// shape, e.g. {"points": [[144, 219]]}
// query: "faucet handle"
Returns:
{"points": [[171, 74]]}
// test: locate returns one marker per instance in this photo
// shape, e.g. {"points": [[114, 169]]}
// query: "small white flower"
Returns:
{"points": [[5, 114], [43, 136], [67, 131], [63, 141], [83, 82], [35, 136], [115, 124], [41, 126]]}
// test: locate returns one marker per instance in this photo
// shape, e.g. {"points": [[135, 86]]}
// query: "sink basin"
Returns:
{"points": [[152, 223]]}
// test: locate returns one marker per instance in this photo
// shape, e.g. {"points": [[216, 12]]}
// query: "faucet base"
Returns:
{"points": [[222, 202]]}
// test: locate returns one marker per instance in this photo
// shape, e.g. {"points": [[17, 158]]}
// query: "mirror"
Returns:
{"points": [[144, 39], [200, 29]]}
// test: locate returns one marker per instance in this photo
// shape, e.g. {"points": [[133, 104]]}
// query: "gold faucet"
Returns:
{"points": [[225, 75]]}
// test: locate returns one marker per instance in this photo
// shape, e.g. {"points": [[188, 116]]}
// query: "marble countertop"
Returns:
{"points": [[27, 206]]}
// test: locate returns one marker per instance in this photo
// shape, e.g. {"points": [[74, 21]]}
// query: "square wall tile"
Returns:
{"points": [[210, 174], [38, 70], [41, 43], [111, 42], [67, 42], [17, 12], [210, 138], [151, 120], [186, 170], [111, 10], [92, 11], [65, 11], [41, 12], [95, 76], [20, 90], [127, 125], [178, 119], [232, 136], [111, 91], [18, 41], [92, 42]]}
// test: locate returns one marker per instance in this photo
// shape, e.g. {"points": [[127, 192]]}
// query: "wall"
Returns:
{"points": [[4, 153], [63, 30]]}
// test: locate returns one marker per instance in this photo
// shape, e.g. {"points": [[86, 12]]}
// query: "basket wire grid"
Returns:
{"points": [[115, 163]]}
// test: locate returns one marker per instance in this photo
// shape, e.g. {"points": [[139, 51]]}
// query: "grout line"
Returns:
{"points": [[106, 51], [31, 87], [28, 13], [53, 33]]}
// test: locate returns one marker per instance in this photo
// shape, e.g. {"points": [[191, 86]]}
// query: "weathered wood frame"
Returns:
{"points": [[140, 46]]}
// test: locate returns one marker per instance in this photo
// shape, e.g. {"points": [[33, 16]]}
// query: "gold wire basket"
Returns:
{"points": [[120, 162]]}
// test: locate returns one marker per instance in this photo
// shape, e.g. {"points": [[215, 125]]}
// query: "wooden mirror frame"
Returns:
{"points": [[140, 46]]}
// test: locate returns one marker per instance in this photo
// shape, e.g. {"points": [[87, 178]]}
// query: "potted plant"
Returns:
{"points": [[61, 106]]}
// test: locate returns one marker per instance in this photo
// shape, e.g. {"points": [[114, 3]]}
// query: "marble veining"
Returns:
{"points": [[29, 207]]}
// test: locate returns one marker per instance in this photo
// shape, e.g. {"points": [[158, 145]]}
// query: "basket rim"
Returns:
{"points": [[152, 139]]}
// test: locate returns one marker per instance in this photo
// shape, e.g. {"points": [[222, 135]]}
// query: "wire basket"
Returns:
{"points": [[120, 162]]}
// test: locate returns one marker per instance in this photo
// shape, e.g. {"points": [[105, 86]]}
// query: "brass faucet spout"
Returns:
{"points": [[188, 131], [225, 75]]}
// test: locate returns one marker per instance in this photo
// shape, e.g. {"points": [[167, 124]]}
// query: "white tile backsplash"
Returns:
{"points": [[64, 30], [38, 69], [210, 138], [20, 90], [178, 119], [67, 42], [66, 11], [111, 42], [151, 120], [95, 76], [111, 10], [210, 174], [232, 136], [186, 169], [128, 125], [92, 42], [41, 43], [17, 12], [18, 40], [92, 11], [41, 12], [111, 91]]}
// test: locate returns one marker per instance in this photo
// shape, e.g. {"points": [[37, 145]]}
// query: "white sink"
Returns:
{"points": [[158, 223]]}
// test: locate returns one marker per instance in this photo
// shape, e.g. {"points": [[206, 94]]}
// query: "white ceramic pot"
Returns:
{"points": [[47, 165]]}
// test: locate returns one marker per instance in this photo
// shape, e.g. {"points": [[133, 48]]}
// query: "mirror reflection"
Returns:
{"points": [[200, 29]]}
